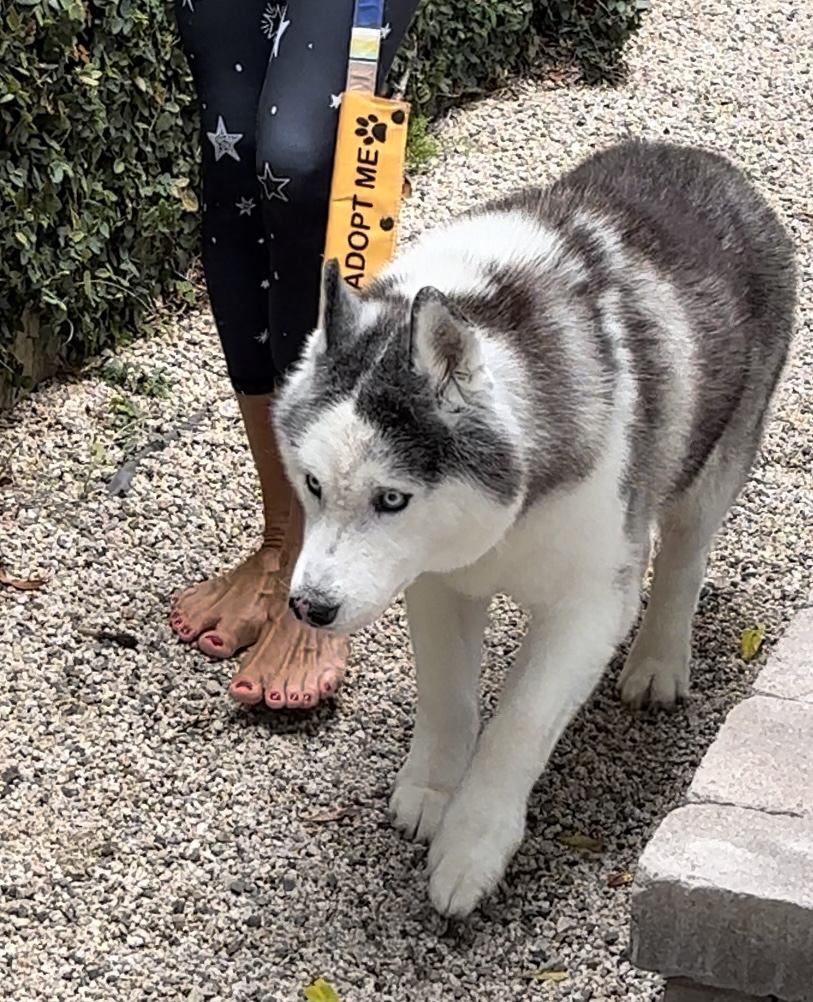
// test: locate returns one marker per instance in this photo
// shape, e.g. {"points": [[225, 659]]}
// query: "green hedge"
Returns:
{"points": [[98, 149], [98, 135], [462, 49]]}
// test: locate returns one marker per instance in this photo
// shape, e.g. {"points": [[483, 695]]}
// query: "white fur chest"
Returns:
{"points": [[572, 531]]}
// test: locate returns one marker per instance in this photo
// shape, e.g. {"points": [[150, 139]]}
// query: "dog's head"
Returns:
{"points": [[399, 446]]}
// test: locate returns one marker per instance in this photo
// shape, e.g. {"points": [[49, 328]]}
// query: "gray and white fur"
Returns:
{"points": [[519, 403]]}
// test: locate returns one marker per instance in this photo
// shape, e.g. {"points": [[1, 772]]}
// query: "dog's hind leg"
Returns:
{"points": [[447, 636], [657, 667]]}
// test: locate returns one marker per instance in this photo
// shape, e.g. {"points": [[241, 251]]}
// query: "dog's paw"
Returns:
{"points": [[654, 681], [469, 855], [417, 810]]}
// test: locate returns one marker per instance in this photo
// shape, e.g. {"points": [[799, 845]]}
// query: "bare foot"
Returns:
{"points": [[228, 613], [289, 664], [292, 665]]}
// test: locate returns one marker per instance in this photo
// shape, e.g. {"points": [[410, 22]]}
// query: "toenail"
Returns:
{"points": [[294, 697], [214, 639], [243, 683], [275, 695], [306, 698]]}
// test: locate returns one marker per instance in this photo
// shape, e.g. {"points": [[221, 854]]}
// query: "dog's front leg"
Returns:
{"points": [[557, 668], [447, 636]]}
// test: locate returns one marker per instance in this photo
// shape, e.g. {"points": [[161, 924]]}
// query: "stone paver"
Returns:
{"points": [[723, 899], [762, 759], [683, 990], [724, 895], [788, 673]]}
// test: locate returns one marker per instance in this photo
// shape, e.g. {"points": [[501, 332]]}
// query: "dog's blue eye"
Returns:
{"points": [[391, 501], [313, 485]]}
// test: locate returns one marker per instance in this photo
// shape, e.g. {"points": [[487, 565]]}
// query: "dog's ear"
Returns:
{"points": [[338, 308], [444, 345]]}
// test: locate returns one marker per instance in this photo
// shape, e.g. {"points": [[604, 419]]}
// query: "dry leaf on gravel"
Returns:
{"points": [[336, 814], [620, 878], [751, 641], [320, 991], [583, 842], [21, 584], [549, 977]]}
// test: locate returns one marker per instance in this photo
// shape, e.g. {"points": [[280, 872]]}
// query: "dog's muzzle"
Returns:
{"points": [[313, 613]]}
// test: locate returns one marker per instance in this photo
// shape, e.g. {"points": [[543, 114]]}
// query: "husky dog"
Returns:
{"points": [[515, 405]]}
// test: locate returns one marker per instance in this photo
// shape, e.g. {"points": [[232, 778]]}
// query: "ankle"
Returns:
{"points": [[283, 532], [281, 550], [274, 538]]}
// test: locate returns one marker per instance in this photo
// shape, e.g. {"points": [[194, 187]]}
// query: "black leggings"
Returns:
{"points": [[268, 78]]}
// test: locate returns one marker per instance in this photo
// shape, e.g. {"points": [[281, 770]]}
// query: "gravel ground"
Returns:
{"points": [[158, 842]]}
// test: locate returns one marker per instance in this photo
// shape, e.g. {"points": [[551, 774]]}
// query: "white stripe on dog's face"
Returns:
{"points": [[357, 557]]}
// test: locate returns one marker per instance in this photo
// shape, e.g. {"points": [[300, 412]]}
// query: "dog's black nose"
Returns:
{"points": [[321, 615], [312, 612]]}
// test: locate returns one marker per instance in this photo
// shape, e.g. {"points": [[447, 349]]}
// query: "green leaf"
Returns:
{"points": [[320, 991], [751, 641]]}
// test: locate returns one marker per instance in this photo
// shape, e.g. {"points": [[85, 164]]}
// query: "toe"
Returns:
{"points": [[190, 627], [217, 644], [275, 697], [230, 637], [245, 690], [183, 629], [307, 692], [329, 682], [293, 697]]}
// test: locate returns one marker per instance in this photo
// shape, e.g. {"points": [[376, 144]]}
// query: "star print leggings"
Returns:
{"points": [[268, 78]]}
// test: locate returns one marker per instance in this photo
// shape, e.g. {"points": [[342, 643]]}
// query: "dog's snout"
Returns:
{"points": [[322, 615], [315, 613]]}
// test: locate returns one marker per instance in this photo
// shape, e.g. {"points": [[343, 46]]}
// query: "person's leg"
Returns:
{"points": [[228, 49], [297, 124], [288, 664]]}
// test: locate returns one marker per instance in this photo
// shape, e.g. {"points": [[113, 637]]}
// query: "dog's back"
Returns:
{"points": [[695, 217], [697, 221], [657, 261]]}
